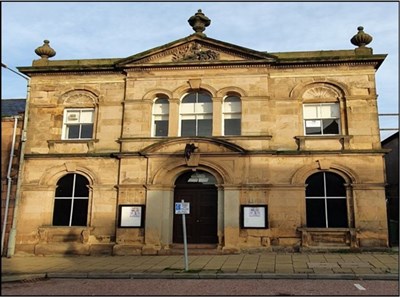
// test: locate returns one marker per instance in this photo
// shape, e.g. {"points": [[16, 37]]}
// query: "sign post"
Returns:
{"points": [[183, 208]]}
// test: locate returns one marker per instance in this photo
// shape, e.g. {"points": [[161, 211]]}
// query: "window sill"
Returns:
{"points": [[328, 236], [64, 234], [302, 141]]}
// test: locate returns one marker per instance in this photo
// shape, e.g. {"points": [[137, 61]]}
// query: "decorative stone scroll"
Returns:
{"points": [[194, 52]]}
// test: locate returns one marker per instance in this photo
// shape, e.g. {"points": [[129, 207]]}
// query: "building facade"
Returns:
{"points": [[271, 150]]}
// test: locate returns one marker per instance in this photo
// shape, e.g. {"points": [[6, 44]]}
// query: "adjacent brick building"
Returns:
{"points": [[12, 122]]}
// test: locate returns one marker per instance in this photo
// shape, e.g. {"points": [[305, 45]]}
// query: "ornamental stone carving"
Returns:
{"points": [[361, 39], [199, 22], [320, 92], [194, 52], [45, 51]]}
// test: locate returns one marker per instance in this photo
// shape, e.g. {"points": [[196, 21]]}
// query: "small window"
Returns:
{"points": [[196, 114], [321, 119], [232, 114], [78, 123], [326, 203], [71, 201], [160, 117]]}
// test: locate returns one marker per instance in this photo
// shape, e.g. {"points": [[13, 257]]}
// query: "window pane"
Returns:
{"points": [[315, 213], [188, 128], [232, 99], [203, 107], [72, 116], [315, 185], [313, 131], [79, 214], [190, 98], [330, 126], [162, 101], [62, 212], [64, 186], [187, 108], [205, 127], [73, 131], [161, 128], [329, 111], [86, 116], [161, 106], [334, 185], [337, 213], [81, 186], [87, 131], [232, 126], [232, 107], [310, 111], [204, 98]]}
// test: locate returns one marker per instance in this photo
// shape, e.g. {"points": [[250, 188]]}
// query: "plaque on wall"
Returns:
{"points": [[254, 216], [131, 216]]}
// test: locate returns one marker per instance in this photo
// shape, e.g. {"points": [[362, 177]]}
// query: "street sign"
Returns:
{"points": [[182, 208]]}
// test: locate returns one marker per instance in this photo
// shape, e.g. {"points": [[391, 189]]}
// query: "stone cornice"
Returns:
{"points": [[93, 70]]}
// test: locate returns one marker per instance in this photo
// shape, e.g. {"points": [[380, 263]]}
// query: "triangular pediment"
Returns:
{"points": [[194, 49]]}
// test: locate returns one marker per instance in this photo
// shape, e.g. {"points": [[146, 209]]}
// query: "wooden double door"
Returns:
{"points": [[201, 223]]}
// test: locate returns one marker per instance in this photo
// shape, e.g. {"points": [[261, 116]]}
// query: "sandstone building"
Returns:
{"points": [[271, 150]]}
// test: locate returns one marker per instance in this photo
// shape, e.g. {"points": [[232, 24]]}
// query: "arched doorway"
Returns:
{"points": [[198, 188]]}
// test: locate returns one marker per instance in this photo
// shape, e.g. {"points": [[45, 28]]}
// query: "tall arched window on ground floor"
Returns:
{"points": [[71, 201], [326, 203]]}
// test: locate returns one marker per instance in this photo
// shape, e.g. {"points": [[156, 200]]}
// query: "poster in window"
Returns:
{"points": [[131, 216], [254, 216]]}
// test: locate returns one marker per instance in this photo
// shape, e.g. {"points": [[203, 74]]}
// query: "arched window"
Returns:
{"points": [[326, 203], [232, 114], [160, 116], [71, 201], [196, 114]]}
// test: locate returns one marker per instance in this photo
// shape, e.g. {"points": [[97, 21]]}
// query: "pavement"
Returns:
{"points": [[267, 265]]}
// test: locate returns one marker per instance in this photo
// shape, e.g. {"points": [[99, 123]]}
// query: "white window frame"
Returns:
{"points": [[158, 114], [195, 112], [70, 121], [229, 114], [319, 117]]}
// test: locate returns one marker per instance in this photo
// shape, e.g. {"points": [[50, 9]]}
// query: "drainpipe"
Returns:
{"points": [[13, 231], [9, 181]]}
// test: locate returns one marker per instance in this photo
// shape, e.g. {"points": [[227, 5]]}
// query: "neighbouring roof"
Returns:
{"points": [[12, 107], [390, 138]]}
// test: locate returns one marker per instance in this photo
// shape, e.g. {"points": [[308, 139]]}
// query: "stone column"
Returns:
{"points": [[370, 215], [173, 123], [231, 219], [158, 220], [217, 116]]}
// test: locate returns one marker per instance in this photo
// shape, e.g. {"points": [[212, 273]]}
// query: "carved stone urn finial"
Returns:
{"points": [[361, 39], [45, 51], [199, 22]]}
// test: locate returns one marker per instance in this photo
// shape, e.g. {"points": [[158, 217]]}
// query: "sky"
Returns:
{"points": [[92, 30]]}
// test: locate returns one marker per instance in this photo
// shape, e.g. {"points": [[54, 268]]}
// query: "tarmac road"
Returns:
{"points": [[190, 287]]}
